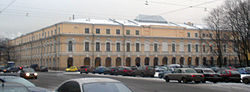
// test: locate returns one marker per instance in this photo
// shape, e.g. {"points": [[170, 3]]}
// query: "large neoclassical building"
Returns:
{"points": [[147, 40]]}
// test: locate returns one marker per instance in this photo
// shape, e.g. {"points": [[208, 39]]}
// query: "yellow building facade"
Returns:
{"points": [[116, 43]]}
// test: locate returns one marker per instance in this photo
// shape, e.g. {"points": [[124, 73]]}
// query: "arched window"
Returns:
{"points": [[70, 46]]}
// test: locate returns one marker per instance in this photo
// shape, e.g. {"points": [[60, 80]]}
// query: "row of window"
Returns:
{"points": [[118, 31], [137, 47]]}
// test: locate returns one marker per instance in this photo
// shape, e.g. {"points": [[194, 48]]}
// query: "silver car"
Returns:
{"points": [[92, 85], [185, 75]]}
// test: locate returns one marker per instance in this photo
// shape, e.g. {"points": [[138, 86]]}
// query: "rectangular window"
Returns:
{"points": [[97, 31], [86, 30], [137, 32], [107, 31], [117, 31], [188, 34], [155, 47], [210, 35], [189, 47], [211, 48], [137, 47], [173, 47], [128, 32], [196, 48], [196, 34], [204, 48], [86, 46], [203, 35], [107, 46], [118, 47], [97, 46], [225, 48], [128, 47]]}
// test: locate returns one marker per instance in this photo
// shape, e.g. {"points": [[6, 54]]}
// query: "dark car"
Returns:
{"points": [[28, 73], [43, 69], [246, 79], [209, 74], [145, 71], [99, 69], [86, 69], [111, 70], [10, 69], [229, 75], [35, 67], [24, 82], [125, 71], [185, 75]]}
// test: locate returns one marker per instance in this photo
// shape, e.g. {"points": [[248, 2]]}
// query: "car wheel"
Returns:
{"points": [[246, 81], [80, 72], [166, 79], [203, 81], [184, 80], [142, 75], [179, 81], [214, 81], [87, 72], [227, 80], [35, 77], [197, 81]]}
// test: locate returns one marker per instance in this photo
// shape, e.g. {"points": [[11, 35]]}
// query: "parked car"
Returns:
{"points": [[28, 73], [24, 82], [125, 71], [157, 71], [92, 85], [215, 69], [110, 70], [99, 69], [229, 75], [162, 73], [35, 67], [209, 74], [145, 71], [71, 69], [12, 87], [185, 75], [10, 69], [86, 69], [246, 79], [43, 69]]}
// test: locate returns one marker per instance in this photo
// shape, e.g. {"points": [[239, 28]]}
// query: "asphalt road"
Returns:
{"points": [[51, 80]]}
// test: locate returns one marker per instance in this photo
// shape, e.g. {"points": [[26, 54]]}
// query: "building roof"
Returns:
{"points": [[150, 18]]}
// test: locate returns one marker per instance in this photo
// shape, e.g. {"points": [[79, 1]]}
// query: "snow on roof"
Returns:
{"points": [[135, 23], [187, 26], [94, 21], [150, 18]]}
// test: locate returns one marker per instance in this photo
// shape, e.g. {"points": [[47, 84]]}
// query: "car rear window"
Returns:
{"points": [[105, 87], [190, 71], [28, 70], [208, 71], [235, 72]]}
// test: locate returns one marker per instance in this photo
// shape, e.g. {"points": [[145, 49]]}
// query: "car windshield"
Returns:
{"points": [[235, 72], [208, 71], [105, 87], [190, 71], [21, 81], [28, 70]]}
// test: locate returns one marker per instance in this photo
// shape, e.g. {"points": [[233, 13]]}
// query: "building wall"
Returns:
{"points": [[49, 46]]}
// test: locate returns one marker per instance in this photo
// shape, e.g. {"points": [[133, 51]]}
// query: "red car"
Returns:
{"points": [[125, 71], [230, 76], [86, 69]]}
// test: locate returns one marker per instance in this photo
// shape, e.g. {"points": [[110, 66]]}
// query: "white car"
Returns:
{"points": [[92, 85]]}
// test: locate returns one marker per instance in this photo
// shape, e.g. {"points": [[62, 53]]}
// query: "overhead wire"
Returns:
{"points": [[8, 6], [191, 6]]}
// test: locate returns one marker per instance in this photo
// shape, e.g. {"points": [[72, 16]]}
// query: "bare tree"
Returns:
{"points": [[238, 20], [4, 49], [215, 22], [231, 23]]}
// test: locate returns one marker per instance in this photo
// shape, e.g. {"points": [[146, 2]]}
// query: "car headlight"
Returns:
{"points": [[35, 74], [27, 74]]}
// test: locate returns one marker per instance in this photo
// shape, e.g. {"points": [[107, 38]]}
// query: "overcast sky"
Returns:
{"points": [[23, 16]]}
